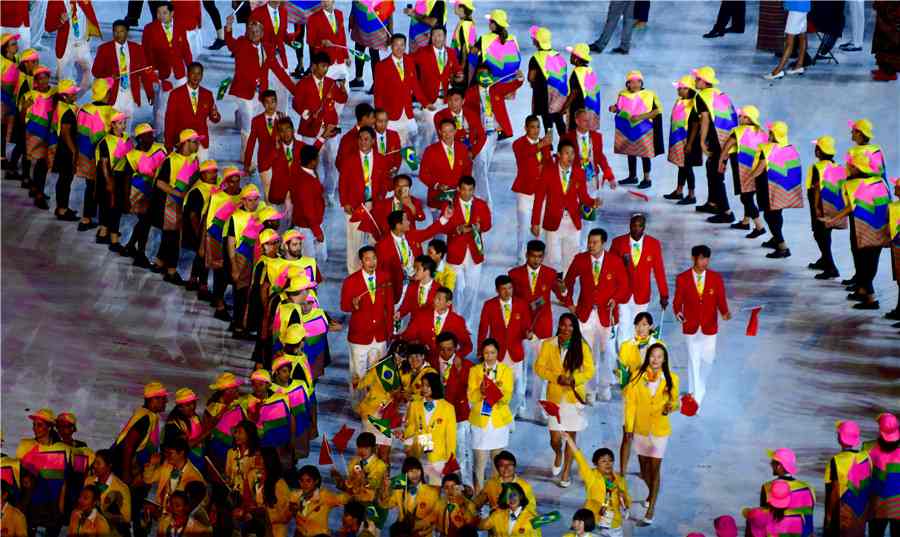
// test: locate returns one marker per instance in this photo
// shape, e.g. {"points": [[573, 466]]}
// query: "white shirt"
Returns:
{"points": [[273, 12], [307, 170], [330, 16], [513, 517], [259, 52]]}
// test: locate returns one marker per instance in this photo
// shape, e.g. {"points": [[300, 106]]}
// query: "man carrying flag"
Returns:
{"points": [[123, 61], [75, 23]]}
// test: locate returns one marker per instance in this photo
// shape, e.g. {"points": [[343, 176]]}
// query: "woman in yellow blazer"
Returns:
{"points": [[414, 371], [314, 503], [273, 494], [418, 505], [605, 492], [86, 519], [376, 398], [431, 428], [651, 396], [565, 362], [490, 424], [512, 519], [115, 498]]}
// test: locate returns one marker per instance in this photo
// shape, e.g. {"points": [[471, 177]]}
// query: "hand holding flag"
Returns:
{"points": [[753, 322]]}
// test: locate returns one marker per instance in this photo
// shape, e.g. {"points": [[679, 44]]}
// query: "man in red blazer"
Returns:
{"points": [[699, 299], [286, 165], [309, 200], [437, 67], [263, 131], [365, 117], [533, 282], [123, 61], [387, 141], [166, 49], [363, 180], [603, 285], [398, 249], [589, 152], [273, 16], [325, 32], [641, 255], [454, 369], [436, 170], [428, 323], [399, 199], [558, 202], [508, 320], [470, 221], [531, 152], [367, 296], [75, 24], [250, 77], [189, 18], [421, 290], [469, 130], [191, 106], [395, 87]]}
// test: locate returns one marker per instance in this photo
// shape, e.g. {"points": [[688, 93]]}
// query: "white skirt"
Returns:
{"points": [[572, 417], [650, 446], [490, 438]]}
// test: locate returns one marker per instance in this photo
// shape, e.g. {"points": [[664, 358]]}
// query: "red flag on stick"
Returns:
{"points": [[451, 466], [366, 221], [342, 438], [639, 195], [325, 453], [552, 409], [753, 322], [492, 393]]}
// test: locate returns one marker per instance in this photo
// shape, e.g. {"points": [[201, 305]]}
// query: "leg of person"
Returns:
{"points": [[721, 20], [590, 332], [517, 404], [642, 11], [556, 444], [462, 285], [857, 21], [473, 279], [570, 242], [632, 168], [553, 240], [125, 104], [825, 247], [788, 50], [646, 166], [38, 184], [614, 13], [464, 450], [354, 243], [689, 177], [402, 127], [707, 351], [133, 16], [569, 455], [603, 361], [359, 64], [877, 526], [625, 327], [89, 204], [172, 253], [624, 453], [64, 189], [480, 466], [425, 128], [692, 341], [627, 28], [327, 163], [524, 205], [482, 169], [83, 63], [655, 479], [213, 12], [265, 179], [220, 283], [114, 220], [738, 15], [202, 153]]}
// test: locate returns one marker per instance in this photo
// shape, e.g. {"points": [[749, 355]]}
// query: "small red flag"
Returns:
{"points": [[689, 405], [639, 195], [552, 409], [451, 466], [392, 412], [325, 452], [753, 322], [366, 221], [342, 438], [492, 392]]}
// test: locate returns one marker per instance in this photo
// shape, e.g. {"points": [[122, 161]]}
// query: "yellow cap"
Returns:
{"points": [[707, 74], [268, 235], [779, 130], [29, 55], [298, 280], [118, 116], [687, 81], [634, 75], [232, 170], [209, 166], [249, 191], [542, 36], [100, 88], [44, 414], [143, 128], [467, 3], [189, 135], [750, 112], [184, 396], [225, 381], [290, 235], [7, 37], [269, 213], [67, 417], [261, 375], [499, 17], [862, 125], [582, 50], [67, 87], [40, 70], [825, 145], [280, 362], [154, 389], [293, 335]]}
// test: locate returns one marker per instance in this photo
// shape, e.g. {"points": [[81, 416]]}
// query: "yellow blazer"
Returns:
{"points": [[446, 277], [364, 485], [116, 485], [453, 515], [441, 427], [13, 522], [161, 475], [280, 513], [93, 524], [412, 384], [375, 398], [549, 366], [236, 468], [424, 507], [498, 524], [595, 491], [632, 356], [194, 528], [500, 413], [490, 494], [312, 514], [644, 412]]}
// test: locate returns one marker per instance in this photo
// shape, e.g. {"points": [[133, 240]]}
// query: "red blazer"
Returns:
{"points": [[393, 94], [167, 59], [612, 284], [528, 169], [550, 201], [392, 141], [421, 330], [700, 312], [187, 14], [348, 144], [542, 317], [259, 132], [271, 40], [249, 72], [321, 110], [432, 80], [456, 387], [597, 156], [384, 207], [389, 258], [498, 93], [410, 302], [435, 169], [459, 244], [52, 23], [474, 134], [15, 15], [308, 198], [284, 172], [319, 29], [373, 321], [106, 64], [510, 336], [180, 114], [639, 276], [351, 182]]}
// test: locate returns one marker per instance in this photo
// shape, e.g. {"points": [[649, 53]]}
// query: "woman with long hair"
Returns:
{"points": [[649, 399], [273, 493], [565, 362], [241, 459], [490, 417], [431, 429]]}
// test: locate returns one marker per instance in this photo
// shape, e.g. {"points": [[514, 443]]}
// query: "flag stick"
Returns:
{"points": [[133, 72], [237, 8]]}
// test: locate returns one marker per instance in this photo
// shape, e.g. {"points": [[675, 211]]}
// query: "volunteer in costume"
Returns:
{"points": [[605, 491], [431, 428], [28, 61], [196, 205], [584, 87], [81, 457], [93, 124], [184, 422], [894, 231], [566, 363], [824, 192], [222, 412], [885, 455], [684, 141], [423, 16], [143, 162], [63, 150], [742, 150], [112, 153], [44, 462], [802, 499], [38, 108], [499, 51], [12, 80], [638, 127], [293, 378], [490, 391], [223, 201], [242, 232], [847, 500], [548, 77], [464, 37], [717, 119]]}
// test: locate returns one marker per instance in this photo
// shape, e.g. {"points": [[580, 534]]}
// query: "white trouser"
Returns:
{"points": [[425, 128], [857, 21], [405, 127], [25, 35], [563, 244], [338, 72], [355, 240], [78, 52], [464, 451], [481, 168], [316, 249], [597, 338], [247, 109], [524, 205], [36, 12], [125, 104], [359, 359], [610, 532], [203, 152], [265, 178], [327, 168], [193, 39], [701, 350], [627, 312], [433, 471], [538, 385], [468, 278], [282, 93], [520, 383], [161, 102]]}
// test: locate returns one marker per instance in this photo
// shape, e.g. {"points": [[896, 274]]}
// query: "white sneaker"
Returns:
{"points": [[564, 484], [776, 76], [556, 470], [796, 71]]}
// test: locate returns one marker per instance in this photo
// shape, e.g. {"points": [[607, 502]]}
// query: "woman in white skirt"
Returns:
{"points": [[489, 422], [649, 399], [565, 362]]}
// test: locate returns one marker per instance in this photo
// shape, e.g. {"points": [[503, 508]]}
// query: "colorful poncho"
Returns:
{"points": [[590, 87], [149, 444], [784, 176], [222, 437], [886, 483], [852, 479], [246, 232], [11, 79], [635, 137], [678, 130], [555, 70], [274, 421], [869, 199], [299, 11], [118, 149], [502, 59], [748, 138], [62, 108], [93, 124], [419, 32], [830, 189], [721, 111], [368, 19], [182, 171], [221, 206], [894, 223], [144, 166], [465, 35], [297, 396], [48, 464], [38, 124]]}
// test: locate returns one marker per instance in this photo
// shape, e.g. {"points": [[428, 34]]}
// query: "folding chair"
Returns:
{"points": [[826, 56]]}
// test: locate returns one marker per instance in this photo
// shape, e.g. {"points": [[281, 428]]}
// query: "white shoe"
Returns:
{"points": [[556, 470], [796, 71], [645, 522], [605, 394], [564, 484], [776, 76]]}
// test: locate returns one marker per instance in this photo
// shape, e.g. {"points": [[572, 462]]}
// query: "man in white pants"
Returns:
{"points": [[531, 152], [166, 49], [79, 24], [465, 243], [360, 183], [699, 300], [603, 284], [454, 372], [123, 61], [395, 86], [856, 10]]}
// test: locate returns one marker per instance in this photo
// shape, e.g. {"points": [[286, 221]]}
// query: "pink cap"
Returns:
{"points": [[888, 427], [725, 526], [695, 534], [848, 433], [779, 495], [758, 519], [786, 457]]}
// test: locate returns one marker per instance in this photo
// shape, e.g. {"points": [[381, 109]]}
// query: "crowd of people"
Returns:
{"points": [[418, 380]]}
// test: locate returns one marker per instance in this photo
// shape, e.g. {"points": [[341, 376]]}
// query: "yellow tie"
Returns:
{"points": [[700, 284], [506, 312], [404, 253], [540, 156], [332, 21], [371, 284], [635, 253], [422, 295], [269, 124], [450, 155], [486, 102], [442, 59], [276, 22], [194, 100], [467, 211], [399, 65], [319, 84], [367, 176], [596, 271], [437, 324], [123, 60], [565, 179], [168, 29], [458, 119], [534, 276]]}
